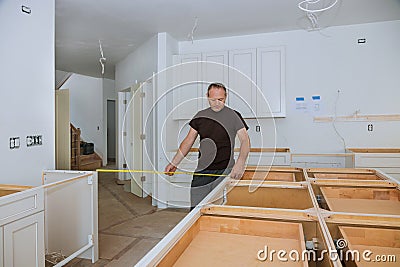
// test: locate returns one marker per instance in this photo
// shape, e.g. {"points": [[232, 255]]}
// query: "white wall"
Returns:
{"points": [[86, 108], [137, 66], [60, 76], [323, 63], [109, 93], [27, 93]]}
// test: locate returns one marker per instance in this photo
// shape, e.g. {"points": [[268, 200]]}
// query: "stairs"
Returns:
{"points": [[79, 161], [90, 162]]}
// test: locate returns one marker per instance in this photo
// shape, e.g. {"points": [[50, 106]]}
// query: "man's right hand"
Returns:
{"points": [[170, 169]]}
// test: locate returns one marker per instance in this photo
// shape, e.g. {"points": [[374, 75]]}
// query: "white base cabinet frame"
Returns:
{"points": [[22, 243], [71, 212]]}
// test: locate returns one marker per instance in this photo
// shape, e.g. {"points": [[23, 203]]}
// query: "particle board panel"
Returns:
{"points": [[347, 176], [267, 173], [269, 197], [268, 176], [362, 200], [344, 173]]}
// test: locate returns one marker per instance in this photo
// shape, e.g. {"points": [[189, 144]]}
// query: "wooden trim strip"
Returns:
{"points": [[275, 184], [353, 182], [374, 150], [361, 219], [12, 187], [273, 169], [67, 180], [342, 170], [263, 213], [379, 117]]}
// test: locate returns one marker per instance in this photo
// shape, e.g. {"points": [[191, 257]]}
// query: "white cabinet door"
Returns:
{"points": [[24, 242], [215, 69], [242, 79], [271, 82], [187, 86]]}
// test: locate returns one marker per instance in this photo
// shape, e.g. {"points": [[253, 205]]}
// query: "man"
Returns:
{"points": [[217, 126]]}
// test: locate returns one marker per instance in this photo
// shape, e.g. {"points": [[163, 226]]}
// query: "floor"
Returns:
{"points": [[129, 226]]}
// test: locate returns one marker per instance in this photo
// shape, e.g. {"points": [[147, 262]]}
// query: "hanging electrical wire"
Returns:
{"points": [[334, 122], [313, 19], [311, 7], [102, 59], [191, 34]]}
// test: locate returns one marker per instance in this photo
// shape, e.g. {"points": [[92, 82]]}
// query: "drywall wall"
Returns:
{"points": [[321, 63], [86, 108], [137, 66], [109, 93], [167, 47], [27, 90]]}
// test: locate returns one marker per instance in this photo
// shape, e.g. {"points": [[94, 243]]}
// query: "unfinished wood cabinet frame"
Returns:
{"points": [[314, 214], [234, 229]]}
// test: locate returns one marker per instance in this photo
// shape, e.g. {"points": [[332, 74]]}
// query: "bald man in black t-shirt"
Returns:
{"points": [[217, 126]]}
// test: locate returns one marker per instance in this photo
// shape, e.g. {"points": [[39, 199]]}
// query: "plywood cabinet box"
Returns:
{"points": [[35, 220], [243, 215], [179, 185]]}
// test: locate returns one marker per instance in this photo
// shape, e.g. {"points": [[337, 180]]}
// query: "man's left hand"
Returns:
{"points": [[237, 171]]}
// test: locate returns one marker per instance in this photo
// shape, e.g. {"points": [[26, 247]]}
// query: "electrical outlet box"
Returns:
{"points": [[14, 142], [258, 128], [34, 140]]}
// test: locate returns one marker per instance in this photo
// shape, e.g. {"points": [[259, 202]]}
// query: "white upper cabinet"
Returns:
{"points": [[215, 69], [271, 82], [187, 86], [255, 79], [242, 76]]}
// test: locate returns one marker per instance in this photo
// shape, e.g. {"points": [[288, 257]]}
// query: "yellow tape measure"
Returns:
{"points": [[158, 172]]}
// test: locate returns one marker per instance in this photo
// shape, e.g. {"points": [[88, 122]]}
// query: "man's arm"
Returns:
{"points": [[183, 150], [238, 168]]}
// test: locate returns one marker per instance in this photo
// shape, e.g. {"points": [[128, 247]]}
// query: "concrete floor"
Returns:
{"points": [[129, 226]]}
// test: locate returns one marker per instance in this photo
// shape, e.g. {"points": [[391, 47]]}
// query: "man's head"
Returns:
{"points": [[216, 94]]}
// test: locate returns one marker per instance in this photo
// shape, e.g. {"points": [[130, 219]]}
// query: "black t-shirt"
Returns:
{"points": [[217, 132]]}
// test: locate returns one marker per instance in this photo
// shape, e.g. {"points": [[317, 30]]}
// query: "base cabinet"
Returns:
{"points": [[23, 242], [385, 159]]}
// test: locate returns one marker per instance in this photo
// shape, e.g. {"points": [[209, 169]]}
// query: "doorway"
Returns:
{"points": [[111, 132]]}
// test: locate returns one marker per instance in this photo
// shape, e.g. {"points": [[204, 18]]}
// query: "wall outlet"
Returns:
{"points": [[258, 128], [34, 140], [370, 127], [14, 142]]}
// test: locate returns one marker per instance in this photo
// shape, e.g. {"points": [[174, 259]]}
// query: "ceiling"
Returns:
{"points": [[123, 25]]}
